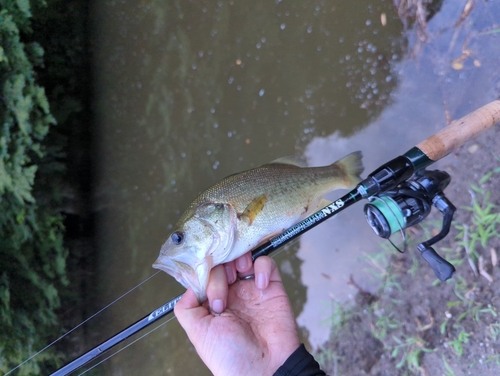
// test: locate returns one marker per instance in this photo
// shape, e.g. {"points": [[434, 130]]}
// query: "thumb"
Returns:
{"points": [[188, 311], [187, 301]]}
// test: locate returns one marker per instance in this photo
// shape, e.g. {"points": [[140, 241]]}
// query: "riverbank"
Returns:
{"points": [[415, 324]]}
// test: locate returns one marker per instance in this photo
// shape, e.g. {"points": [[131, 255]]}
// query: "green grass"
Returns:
{"points": [[475, 236], [409, 350], [484, 224], [327, 358], [495, 358], [458, 343], [464, 321], [339, 315], [384, 325], [448, 370], [494, 331]]}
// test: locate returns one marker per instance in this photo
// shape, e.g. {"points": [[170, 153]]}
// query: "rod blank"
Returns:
{"points": [[435, 147]]}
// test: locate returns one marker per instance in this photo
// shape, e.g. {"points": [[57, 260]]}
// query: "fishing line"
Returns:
{"points": [[83, 322], [130, 344], [401, 225], [275, 254], [386, 177]]}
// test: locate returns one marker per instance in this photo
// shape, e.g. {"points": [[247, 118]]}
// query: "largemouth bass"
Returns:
{"points": [[246, 209]]}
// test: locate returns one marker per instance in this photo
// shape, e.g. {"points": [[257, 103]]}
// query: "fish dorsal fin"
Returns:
{"points": [[291, 160], [254, 208]]}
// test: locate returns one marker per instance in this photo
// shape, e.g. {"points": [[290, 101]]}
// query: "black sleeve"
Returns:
{"points": [[300, 363]]}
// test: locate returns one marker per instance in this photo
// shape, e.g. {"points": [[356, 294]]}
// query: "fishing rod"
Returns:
{"points": [[401, 193]]}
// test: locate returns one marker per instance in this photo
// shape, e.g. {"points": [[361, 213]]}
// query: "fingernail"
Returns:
{"points": [[261, 281], [218, 306], [231, 275], [242, 264]]}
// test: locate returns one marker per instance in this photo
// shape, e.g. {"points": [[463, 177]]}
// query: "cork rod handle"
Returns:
{"points": [[460, 131]]}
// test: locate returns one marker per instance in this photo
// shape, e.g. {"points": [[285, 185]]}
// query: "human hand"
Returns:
{"points": [[246, 327]]}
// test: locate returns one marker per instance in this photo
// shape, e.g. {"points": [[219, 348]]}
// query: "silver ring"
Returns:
{"points": [[250, 276]]}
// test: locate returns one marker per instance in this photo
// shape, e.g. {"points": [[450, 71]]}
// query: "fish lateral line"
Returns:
{"points": [[419, 157]]}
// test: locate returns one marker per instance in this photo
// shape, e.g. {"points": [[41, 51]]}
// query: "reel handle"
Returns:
{"points": [[442, 268], [460, 131]]}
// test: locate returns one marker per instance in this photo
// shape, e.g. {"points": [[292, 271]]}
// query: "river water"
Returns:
{"points": [[189, 92]]}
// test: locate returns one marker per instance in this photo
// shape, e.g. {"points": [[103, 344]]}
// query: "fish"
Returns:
{"points": [[246, 209]]}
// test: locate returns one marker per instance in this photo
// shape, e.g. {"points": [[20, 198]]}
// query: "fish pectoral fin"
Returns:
{"points": [[201, 274], [254, 208]]}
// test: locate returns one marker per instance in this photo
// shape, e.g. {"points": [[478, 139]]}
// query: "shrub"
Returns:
{"points": [[32, 266]]}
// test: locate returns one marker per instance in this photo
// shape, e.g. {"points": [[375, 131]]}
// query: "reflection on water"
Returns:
{"points": [[188, 93], [427, 89]]}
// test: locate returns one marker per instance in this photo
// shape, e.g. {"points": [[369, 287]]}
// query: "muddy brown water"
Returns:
{"points": [[187, 93]]}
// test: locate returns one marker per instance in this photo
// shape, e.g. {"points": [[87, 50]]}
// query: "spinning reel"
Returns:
{"points": [[408, 204]]}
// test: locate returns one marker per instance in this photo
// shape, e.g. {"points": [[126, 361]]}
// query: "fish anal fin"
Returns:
{"points": [[254, 208], [323, 202], [315, 206], [269, 237]]}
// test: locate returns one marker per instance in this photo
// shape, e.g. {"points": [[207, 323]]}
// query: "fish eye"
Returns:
{"points": [[177, 237]]}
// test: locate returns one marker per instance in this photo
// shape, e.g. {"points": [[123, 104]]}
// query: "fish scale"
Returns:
{"points": [[245, 209]]}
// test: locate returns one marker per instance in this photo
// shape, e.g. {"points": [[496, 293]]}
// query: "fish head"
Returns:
{"points": [[201, 239]]}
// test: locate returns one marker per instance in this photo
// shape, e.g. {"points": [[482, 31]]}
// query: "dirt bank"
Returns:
{"points": [[415, 324]]}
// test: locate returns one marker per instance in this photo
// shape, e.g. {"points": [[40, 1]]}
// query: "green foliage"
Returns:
{"points": [[457, 343], [327, 357], [494, 331], [485, 224], [384, 324], [24, 111], [33, 258], [448, 370], [495, 358], [409, 349]]}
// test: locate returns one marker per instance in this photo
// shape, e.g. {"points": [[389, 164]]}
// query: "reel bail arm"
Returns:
{"points": [[410, 203], [384, 178], [380, 183]]}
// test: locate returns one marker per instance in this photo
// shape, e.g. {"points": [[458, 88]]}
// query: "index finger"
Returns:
{"points": [[217, 289], [265, 270]]}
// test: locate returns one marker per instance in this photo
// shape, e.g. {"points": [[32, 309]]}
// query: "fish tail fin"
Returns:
{"points": [[352, 166]]}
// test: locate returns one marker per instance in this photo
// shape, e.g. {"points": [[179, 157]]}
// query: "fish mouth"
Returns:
{"points": [[176, 269], [197, 278]]}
